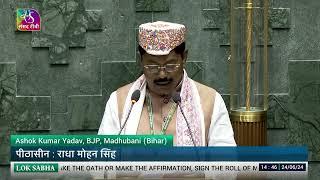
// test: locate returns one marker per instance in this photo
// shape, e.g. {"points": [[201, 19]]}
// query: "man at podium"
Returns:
{"points": [[164, 100]]}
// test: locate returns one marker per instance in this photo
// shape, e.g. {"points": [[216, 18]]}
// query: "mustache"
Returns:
{"points": [[162, 80]]}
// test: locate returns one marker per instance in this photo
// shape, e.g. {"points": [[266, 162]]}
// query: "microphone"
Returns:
{"points": [[134, 98], [177, 99]]}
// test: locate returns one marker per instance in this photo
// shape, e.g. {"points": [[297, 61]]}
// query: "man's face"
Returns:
{"points": [[164, 80]]}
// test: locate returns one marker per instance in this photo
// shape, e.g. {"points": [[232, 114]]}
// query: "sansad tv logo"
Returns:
{"points": [[28, 20]]}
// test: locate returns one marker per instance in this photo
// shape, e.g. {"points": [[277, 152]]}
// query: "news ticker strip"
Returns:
{"points": [[100, 169], [105, 153], [54, 167], [91, 140]]}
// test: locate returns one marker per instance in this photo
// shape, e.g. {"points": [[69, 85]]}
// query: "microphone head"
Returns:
{"points": [[176, 98], [135, 96]]}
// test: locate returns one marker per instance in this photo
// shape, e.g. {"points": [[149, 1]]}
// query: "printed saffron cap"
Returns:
{"points": [[159, 38]]}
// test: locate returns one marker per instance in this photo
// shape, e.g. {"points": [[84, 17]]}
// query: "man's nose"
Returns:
{"points": [[162, 73]]}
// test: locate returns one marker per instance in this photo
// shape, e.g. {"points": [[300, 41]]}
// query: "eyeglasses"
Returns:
{"points": [[156, 68]]}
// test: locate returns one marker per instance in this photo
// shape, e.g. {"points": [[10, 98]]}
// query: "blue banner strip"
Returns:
{"points": [[160, 154]]}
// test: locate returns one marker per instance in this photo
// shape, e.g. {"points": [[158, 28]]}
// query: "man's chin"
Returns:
{"points": [[163, 90]]}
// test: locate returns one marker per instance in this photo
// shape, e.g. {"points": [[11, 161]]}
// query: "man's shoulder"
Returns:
{"points": [[124, 90], [122, 94], [204, 90]]}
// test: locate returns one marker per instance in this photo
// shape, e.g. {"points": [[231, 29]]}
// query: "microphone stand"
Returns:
{"points": [[188, 125]]}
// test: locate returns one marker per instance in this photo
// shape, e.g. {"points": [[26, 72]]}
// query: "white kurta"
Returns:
{"points": [[220, 130]]}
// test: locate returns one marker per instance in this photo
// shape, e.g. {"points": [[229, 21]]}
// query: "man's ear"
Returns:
{"points": [[139, 64], [184, 57], [139, 61]]}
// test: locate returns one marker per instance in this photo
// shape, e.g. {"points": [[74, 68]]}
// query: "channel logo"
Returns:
{"points": [[28, 20]]}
